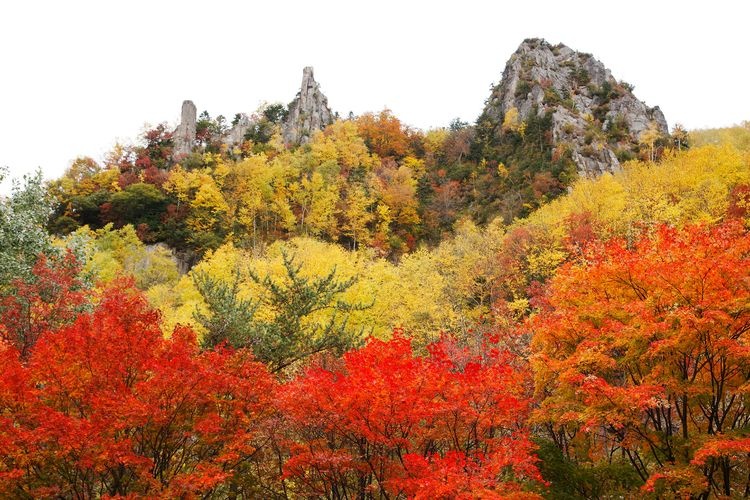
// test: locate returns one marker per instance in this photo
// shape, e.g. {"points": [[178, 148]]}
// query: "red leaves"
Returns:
{"points": [[51, 300], [102, 405], [108, 405], [456, 476], [384, 418]]}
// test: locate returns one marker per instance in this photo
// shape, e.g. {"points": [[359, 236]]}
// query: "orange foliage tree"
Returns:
{"points": [[384, 134], [107, 407], [384, 423], [641, 354]]}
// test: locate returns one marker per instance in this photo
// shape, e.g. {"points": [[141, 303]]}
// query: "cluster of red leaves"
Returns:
{"points": [[95, 402], [52, 299], [383, 419], [106, 406]]}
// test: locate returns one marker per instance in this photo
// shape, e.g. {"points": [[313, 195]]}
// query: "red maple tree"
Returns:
{"points": [[108, 407], [51, 299], [386, 423]]}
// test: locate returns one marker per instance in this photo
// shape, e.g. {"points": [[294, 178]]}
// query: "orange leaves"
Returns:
{"points": [[724, 447], [383, 133], [105, 406], [648, 345], [675, 482]]}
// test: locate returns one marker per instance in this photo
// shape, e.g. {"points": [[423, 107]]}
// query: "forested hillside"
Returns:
{"points": [[552, 302]]}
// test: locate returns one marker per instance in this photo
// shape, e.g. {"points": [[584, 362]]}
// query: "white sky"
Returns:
{"points": [[76, 75]]}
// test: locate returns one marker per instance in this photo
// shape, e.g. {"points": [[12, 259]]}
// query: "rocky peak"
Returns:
{"points": [[594, 117], [308, 111], [184, 135]]}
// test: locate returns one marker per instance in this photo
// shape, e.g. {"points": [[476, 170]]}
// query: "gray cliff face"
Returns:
{"points": [[184, 135], [307, 113], [593, 115]]}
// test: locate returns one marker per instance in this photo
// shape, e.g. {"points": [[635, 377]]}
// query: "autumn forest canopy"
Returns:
{"points": [[521, 307]]}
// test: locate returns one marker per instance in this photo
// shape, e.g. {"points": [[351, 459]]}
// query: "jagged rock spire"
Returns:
{"points": [[308, 111]]}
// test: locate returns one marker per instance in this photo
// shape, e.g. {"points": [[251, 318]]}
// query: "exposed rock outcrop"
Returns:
{"points": [[184, 135], [308, 111], [236, 135], [595, 118]]}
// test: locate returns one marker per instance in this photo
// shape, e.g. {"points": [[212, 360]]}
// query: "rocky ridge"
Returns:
{"points": [[307, 113], [595, 119]]}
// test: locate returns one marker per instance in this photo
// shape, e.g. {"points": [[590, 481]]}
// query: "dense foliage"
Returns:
{"points": [[383, 421], [107, 406], [365, 316], [640, 354], [369, 181]]}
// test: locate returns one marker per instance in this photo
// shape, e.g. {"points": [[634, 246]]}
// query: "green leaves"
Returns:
{"points": [[231, 318], [23, 217], [291, 332]]}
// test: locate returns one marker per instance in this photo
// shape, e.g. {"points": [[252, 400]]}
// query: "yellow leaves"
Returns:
{"points": [[383, 218], [323, 149], [317, 200], [248, 186], [469, 263], [649, 137], [220, 168], [502, 170], [543, 262], [208, 197], [737, 136], [341, 144], [178, 303], [685, 187], [155, 266], [104, 266], [357, 215], [114, 252], [434, 140], [398, 189], [691, 186], [512, 120], [181, 183], [416, 166], [221, 263], [518, 307], [282, 208], [201, 189], [208, 207], [415, 298], [79, 183], [416, 294]]}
